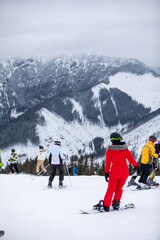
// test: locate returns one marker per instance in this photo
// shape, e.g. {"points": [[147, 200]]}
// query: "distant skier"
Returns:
{"points": [[56, 158], [13, 161], [148, 155], [75, 171], [1, 164], [116, 169], [40, 160]]}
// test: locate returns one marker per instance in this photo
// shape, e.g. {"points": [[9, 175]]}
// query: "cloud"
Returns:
{"points": [[48, 27]]}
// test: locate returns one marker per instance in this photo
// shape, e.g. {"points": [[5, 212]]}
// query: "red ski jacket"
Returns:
{"points": [[116, 163]]}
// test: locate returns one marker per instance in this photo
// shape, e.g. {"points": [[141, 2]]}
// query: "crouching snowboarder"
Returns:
{"points": [[116, 171], [56, 158]]}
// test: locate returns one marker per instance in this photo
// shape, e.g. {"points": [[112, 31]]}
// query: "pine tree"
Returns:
{"points": [[86, 166], [92, 165], [81, 165]]}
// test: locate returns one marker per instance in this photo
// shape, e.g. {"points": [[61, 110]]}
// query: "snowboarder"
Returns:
{"points": [[116, 170], [148, 155], [155, 167], [56, 158], [40, 161], [13, 161], [75, 171]]}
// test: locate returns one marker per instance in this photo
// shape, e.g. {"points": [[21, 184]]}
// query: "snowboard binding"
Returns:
{"points": [[99, 206]]}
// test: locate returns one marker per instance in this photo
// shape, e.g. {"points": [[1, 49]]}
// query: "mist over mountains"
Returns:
{"points": [[85, 91]]}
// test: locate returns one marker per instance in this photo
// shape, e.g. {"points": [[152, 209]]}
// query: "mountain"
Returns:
{"points": [[78, 100]]}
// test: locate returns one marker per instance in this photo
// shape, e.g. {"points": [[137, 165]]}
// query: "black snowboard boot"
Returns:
{"points": [[60, 183], [49, 184], [106, 208], [116, 204]]}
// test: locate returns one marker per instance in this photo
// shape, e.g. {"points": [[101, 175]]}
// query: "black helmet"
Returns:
{"points": [[152, 139], [41, 147], [115, 137], [12, 150], [57, 142]]}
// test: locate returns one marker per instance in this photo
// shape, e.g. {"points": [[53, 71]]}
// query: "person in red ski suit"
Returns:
{"points": [[116, 169]]}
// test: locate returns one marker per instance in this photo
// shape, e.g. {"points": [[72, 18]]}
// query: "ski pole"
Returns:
{"points": [[40, 172], [68, 175]]}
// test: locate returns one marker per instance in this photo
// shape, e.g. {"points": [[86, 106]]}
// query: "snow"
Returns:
{"points": [[143, 88], [29, 212]]}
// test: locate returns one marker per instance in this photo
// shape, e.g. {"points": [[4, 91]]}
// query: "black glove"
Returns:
{"points": [[138, 169], [106, 176]]}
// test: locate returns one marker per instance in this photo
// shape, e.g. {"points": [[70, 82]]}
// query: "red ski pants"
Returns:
{"points": [[115, 185]]}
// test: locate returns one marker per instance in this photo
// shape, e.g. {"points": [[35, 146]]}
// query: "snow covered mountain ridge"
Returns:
{"points": [[79, 100]]}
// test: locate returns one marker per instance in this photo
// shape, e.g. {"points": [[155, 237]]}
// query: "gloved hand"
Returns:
{"points": [[106, 176], [156, 169], [138, 169]]}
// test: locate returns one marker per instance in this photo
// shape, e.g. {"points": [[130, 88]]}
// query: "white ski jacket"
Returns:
{"points": [[56, 155], [41, 155]]}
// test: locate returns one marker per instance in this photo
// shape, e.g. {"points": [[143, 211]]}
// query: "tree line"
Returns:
{"points": [[85, 164]]}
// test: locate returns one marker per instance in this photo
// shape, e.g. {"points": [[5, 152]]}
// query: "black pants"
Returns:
{"points": [[14, 166], [146, 169], [53, 173]]}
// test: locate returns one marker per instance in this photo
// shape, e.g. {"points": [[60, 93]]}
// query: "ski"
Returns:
{"points": [[93, 211], [54, 188], [1, 233]]}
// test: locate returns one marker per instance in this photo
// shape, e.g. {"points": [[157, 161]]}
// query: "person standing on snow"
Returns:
{"points": [[13, 161], [75, 171], [148, 155], [116, 169], [56, 158], [40, 160], [1, 164]]}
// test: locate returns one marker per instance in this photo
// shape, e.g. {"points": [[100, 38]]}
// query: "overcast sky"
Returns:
{"points": [[119, 28]]}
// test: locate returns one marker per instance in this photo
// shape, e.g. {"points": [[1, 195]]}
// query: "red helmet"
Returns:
{"points": [[152, 139]]}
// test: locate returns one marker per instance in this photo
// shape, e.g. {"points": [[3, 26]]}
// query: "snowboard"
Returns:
{"points": [[1, 233], [142, 189], [93, 211]]}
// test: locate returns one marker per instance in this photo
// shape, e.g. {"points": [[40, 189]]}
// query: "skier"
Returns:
{"points": [[116, 169], [75, 171], [40, 161], [56, 158], [1, 164], [148, 155], [13, 161]]}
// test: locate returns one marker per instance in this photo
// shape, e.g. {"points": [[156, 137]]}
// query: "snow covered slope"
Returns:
{"points": [[29, 212], [143, 88]]}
